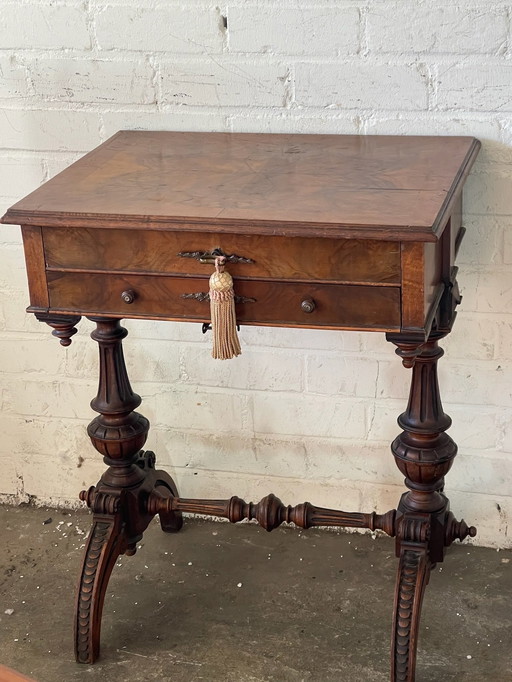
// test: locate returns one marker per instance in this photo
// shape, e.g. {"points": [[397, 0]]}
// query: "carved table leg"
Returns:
{"points": [[412, 578], [104, 545], [424, 453], [131, 491], [119, 501]]}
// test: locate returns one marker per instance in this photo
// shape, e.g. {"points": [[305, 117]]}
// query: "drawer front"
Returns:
{"points": [[274, 303], [295, 258]]}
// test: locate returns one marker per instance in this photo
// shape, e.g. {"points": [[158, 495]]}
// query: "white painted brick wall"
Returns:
{"points": [[306, 414], [490, 91], [310, 31], [437, 28], [361, 85], [104, 80], [232, 82], [49, 130], [38, 26], [172, 29], [13, 77]]}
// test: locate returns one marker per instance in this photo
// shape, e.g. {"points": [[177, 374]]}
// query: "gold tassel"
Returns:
{"points": [[222, 307]]}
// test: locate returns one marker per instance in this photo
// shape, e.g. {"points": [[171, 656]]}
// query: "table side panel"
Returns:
{"points": [[451, 239], [35, 263], [433, 282], [413, 285], [422, 283]]}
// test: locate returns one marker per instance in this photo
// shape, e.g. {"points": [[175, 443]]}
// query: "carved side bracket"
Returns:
{"points": [[451, 298], [270, 512]]}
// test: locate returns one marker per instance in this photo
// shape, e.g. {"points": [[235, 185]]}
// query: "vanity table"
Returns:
{"points": [[318, 231]]}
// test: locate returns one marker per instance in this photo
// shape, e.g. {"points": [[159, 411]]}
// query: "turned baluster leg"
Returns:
{"points": [[118, 433], [424, 453], [118, 502]]}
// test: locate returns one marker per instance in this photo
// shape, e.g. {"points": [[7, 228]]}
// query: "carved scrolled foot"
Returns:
{"points": [[103, 547], [412, 578]]}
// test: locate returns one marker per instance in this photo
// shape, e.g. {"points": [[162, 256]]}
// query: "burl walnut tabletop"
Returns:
{"points": [[319, 231], [308, 185]]}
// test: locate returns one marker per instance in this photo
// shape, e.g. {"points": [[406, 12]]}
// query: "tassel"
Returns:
{"points": [[222, 307]]}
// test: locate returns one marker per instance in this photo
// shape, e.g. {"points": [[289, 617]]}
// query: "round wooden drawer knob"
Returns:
{"points": [[128, 296], [308, 305]]}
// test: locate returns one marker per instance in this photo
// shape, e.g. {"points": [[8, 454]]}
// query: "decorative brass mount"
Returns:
{"points": [[208, 257], [202, 296]]}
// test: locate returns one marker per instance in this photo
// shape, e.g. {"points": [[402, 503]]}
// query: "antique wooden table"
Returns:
{"points": [[320, 231]]}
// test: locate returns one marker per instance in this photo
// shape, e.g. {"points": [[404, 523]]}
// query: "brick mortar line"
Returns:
{"points": [[336, 113], [373, 58], [280, 113]]}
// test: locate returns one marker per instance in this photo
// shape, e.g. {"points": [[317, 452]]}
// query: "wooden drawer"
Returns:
{"points": [[151, 251], [275, 303]]}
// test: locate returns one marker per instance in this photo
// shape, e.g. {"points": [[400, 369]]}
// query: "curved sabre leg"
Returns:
{"points": [[412, 579], [103, 547]]}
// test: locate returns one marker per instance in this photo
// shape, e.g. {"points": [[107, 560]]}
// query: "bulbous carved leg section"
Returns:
{"points": [[104, 545], [412, 579], [118, 440]]}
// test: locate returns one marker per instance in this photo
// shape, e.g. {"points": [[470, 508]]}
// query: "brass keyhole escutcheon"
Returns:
{"points": [[208, 257]]}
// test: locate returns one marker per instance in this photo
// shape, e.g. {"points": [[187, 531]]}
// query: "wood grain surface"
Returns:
{"points": [[35, 264], [280, 303], [151, 251], [385, 187]]}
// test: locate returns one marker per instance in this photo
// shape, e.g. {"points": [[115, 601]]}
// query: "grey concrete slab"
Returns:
{"points": [[227, 603]]}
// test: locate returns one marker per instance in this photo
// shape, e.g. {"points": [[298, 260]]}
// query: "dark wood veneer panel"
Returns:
{"points": [[337, 305], [274, 257]]}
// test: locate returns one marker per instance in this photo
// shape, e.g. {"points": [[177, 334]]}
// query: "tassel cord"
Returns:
{"points": [[223, 318]]}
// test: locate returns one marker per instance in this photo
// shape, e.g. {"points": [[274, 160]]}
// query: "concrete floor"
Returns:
{"points": [[227, 603]]}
